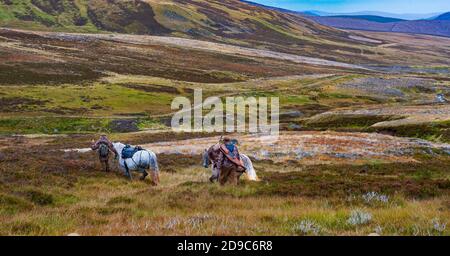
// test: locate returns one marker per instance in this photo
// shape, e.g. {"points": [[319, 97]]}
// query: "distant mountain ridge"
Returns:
{"points": [[444, 16], [436, 27], [427, 27], [369, 18], [428, 24], [405, 16]]}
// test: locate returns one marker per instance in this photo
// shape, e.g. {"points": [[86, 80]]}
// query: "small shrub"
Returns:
{"points": [[359, 217], [378, 230], [40, 198], [26, 228], [120, 200], [172, 223], [438, 226], [371, 197], [307, 227], [105, 211], [197, 221], [12, 203]]}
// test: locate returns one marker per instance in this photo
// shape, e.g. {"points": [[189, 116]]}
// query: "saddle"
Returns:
{"points": [[235, 160], [129, 151]]}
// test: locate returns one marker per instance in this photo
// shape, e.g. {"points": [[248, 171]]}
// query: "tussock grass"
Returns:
{"points": [[42, 195]]}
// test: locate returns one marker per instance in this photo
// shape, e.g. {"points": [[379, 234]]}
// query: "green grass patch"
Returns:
{"points": [[53, 125], [286, 99], [121, 200], [10, 204], [434, 131], [149, 123], [96, 99], [39, 198], [348, 121]]}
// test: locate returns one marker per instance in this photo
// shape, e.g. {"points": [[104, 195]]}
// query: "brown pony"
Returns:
{"points": [[229, 171]]}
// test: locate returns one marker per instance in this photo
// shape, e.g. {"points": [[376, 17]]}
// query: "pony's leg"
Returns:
{"points": [[127, 171], [215, 174], [234, 177], [224, 176], [144, 174], [129, 175], [155, 178], [239, 177]]}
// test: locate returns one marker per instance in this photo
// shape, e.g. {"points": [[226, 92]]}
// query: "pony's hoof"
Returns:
{"points": [[144, 176]]}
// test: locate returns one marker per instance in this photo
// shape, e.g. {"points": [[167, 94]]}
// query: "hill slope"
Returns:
{"points": [[427, 27], [227, 21], [445, 16], [204, 18]]}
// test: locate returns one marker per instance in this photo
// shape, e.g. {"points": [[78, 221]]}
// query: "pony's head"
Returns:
{"points": [[205, 157], [118, 146]]}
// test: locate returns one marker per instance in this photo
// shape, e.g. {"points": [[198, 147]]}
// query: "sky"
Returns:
{"points": [[346, 6]]}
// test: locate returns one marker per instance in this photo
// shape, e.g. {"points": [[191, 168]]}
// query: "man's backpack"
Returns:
{"points": [[103, 150]]}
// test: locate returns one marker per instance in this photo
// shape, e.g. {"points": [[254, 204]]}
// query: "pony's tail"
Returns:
{"points": [[251, 173], [153, 163]]}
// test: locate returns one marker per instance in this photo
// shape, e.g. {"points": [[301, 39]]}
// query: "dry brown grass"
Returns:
{"points": [[42, 194]]}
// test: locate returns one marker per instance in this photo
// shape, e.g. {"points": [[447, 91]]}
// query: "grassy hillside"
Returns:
{"points": [[39, 14], [229, 21], [196, 18]]}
